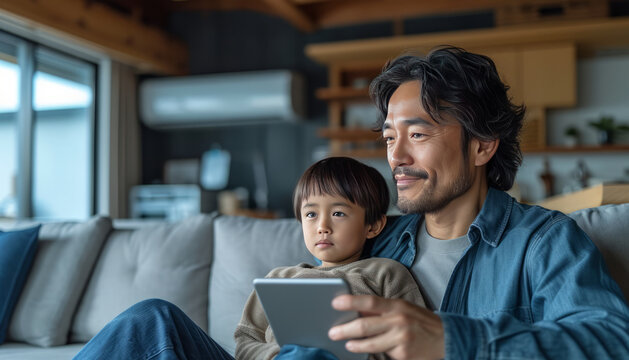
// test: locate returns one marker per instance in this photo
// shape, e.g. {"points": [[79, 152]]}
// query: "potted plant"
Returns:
{"points": [[572, 136], [606, 128]]}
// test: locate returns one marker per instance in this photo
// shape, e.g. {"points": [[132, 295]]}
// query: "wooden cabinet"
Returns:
{"points": [[508, 63], [539, 76], [549, 75]]}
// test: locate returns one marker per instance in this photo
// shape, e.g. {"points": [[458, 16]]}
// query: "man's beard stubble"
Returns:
{"points": [[430, 201]]}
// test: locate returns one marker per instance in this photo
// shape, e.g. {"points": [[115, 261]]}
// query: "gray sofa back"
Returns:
{"points": [[163, 260], [245, 249], [608, 227]]}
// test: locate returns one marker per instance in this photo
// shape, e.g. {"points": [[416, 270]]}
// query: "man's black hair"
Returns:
{"points": [[467, 87]]}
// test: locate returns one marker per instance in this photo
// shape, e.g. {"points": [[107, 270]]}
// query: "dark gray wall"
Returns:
{"points": [[244, 41]]}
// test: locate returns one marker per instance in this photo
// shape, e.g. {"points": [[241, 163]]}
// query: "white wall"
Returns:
{"points": [[603, 89]]}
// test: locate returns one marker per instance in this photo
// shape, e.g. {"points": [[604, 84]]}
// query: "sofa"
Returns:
{"points": [[86, 273]]}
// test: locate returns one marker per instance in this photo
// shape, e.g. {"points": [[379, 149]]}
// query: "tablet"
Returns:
{"points": [[300, 312]]}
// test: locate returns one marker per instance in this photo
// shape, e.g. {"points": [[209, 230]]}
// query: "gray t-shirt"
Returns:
{"points": [[434, 264]]}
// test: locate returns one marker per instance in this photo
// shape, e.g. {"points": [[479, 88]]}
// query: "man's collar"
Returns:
{"points": [[410, 230], [490, 222], [493, 217]]}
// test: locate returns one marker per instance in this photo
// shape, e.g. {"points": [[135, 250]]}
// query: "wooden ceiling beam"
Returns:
{"points": [[291, 13], [282, 8], [337, 13], [220, 5], [99, 27], [302, 2], [217, 5]]}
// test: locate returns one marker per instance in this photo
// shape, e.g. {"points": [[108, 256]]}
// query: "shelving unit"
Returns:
{"points": [[350, 134], [538, 75], [355, 142], [343, 94], [538, 63]]}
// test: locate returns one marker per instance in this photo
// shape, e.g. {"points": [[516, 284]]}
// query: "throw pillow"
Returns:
{"points": [[17, 250], [65, 258]]}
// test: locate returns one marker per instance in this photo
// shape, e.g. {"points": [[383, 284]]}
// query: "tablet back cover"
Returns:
{"points": [[300, 312]]}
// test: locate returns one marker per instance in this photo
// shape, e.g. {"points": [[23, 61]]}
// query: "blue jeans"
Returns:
{"points": [[158, 330], [152, 329]]}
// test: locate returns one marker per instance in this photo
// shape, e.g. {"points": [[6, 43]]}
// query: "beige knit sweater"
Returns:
{"points": [[374, 276]]}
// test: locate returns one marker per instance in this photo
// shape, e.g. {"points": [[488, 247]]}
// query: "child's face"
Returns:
{"points": [[334, 229]]}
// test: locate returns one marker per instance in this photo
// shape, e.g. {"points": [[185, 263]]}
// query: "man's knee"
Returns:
{"points": [[154, 304], [151, 308]]}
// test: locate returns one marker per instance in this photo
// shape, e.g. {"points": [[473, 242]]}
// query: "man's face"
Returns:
{"points": [[428, 165]]}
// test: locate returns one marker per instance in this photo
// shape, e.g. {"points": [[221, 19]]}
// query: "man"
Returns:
{"points": [[509, 280]]}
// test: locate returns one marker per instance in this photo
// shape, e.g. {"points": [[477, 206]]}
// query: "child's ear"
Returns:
{"points": [[374, 229]]}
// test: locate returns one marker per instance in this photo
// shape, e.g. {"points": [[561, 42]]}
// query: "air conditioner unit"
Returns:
{"points": [[222, 99]]}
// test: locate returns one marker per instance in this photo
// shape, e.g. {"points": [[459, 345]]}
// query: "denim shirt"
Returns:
{"points": [[531, 285]]}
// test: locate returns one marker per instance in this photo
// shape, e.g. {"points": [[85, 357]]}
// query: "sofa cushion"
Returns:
{"points": [[66, 255], [170, 261], [608, 227], [17, 250], [245, 249], [22, 351]]}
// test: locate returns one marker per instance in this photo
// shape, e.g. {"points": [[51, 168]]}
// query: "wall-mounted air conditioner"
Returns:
{"points": [[222, 99]]}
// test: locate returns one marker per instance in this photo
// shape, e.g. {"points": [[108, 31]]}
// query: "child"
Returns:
{"points": [[340, 203]]}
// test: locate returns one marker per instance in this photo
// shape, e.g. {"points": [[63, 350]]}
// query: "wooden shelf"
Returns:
{"points": [[380, 153], [591, 197], [350, 134], [578, 149], [361, 135], [343, 94], [355, 142], [255, 213], [358, 135], [353, 135]]}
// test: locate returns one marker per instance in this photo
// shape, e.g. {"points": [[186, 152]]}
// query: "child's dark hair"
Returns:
{"points": [[342, 176]]}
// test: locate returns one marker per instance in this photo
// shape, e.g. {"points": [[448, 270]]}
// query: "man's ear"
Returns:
{"points": [[374, 229], [483, 150]]}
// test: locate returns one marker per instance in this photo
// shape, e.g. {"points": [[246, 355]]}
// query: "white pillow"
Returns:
{"points": [[64, 260]]}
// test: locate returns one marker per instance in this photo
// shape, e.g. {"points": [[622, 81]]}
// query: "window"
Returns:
{"points": [[9, 102], [47, 112]]}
